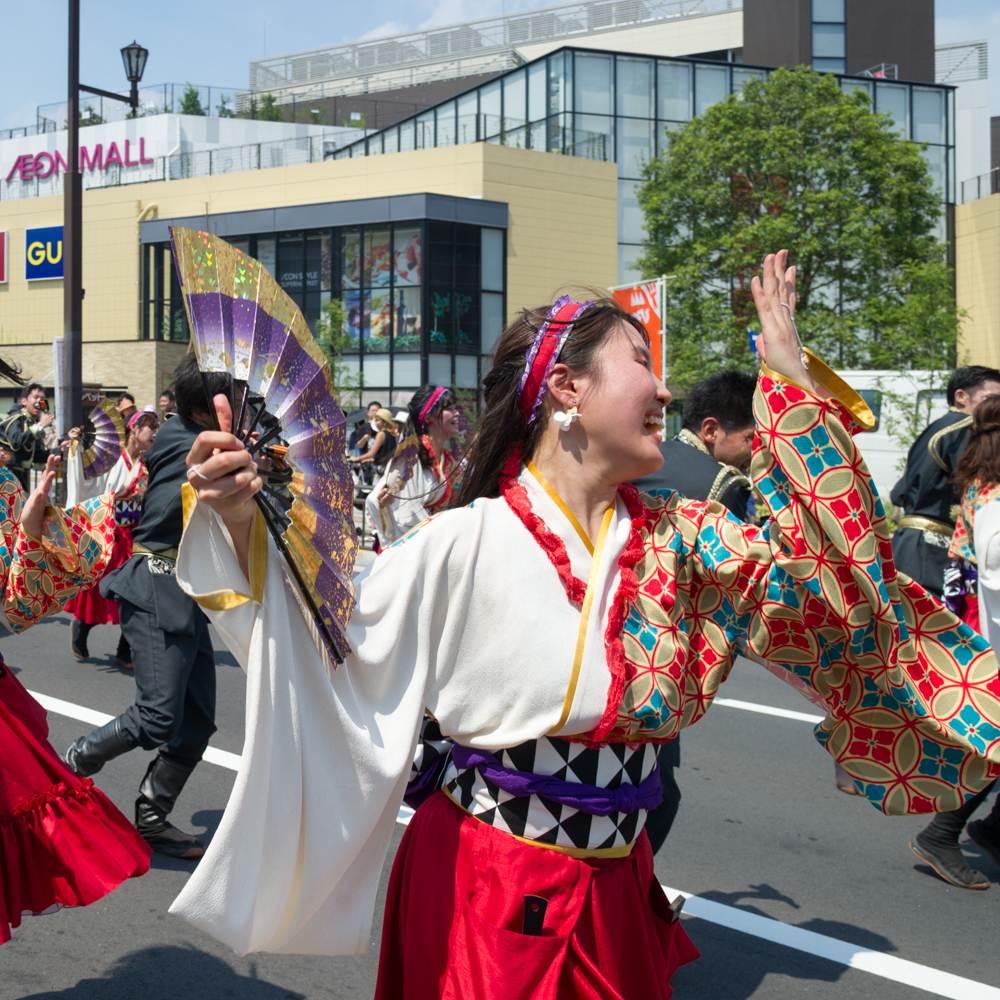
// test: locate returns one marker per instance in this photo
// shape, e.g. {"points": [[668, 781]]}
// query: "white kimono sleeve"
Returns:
{"points": [[296, 862], [409, 507], [986, 535]]}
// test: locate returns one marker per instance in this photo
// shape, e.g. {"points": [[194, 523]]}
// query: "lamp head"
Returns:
{"points": [[134, 57]]}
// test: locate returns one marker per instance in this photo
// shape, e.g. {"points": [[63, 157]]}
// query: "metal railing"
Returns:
{"points": [[961, 62], [980, 187], [423, 53], [161, 99], [43, 126], [203, 163]]}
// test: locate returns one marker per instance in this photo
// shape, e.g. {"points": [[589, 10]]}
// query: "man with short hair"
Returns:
{"points": [[23, 432], [926, 491], [168, 633], [708, 460], [125, 405], [362, 442], [168, 405]]}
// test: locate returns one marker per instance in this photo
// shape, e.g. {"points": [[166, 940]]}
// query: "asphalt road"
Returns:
{"points": [[761, 829]]}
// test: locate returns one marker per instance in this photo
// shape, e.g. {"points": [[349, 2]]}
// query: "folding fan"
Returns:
{"points": [[103, 439], [242, 322], [403, 462]]}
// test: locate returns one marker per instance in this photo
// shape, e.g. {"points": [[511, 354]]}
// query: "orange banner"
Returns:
{"points": [[644, 301]]}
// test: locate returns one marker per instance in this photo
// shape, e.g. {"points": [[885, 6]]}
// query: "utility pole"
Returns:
{"points": [[72, 402]]}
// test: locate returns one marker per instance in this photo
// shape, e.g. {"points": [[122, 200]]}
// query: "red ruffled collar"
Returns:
{"points": [[516, 496]]}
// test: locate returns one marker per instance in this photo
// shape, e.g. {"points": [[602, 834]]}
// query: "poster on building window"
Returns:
{"points": [[357, 311], [378, 259], [407, 257], [380, 321], [647, 302], [351, 256]]}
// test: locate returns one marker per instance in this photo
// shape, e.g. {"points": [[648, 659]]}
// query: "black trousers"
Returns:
{"points": [[661, 819], [174, 687]]}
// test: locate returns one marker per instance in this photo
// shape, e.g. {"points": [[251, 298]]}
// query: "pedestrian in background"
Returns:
{"points": [[977, 541], [927, 491], [168, 404], [125, 405]]}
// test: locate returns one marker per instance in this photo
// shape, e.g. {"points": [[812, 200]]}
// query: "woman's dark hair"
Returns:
{"points": [[413, 424], [144, 417], [189, 389], [503, 426], [980, 462], [11, 372]]}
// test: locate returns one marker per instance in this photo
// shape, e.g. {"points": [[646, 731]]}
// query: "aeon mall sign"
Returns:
{"points": [[30, 166]]}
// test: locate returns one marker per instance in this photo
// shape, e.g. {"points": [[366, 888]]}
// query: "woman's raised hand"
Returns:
{"points": [[224, 475], [33, 511], [779, 345]]}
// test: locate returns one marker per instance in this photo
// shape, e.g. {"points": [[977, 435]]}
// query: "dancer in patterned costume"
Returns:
{"points": [[127, 479], [420, 480], [560, 632], [976, 539], [62, 842]]}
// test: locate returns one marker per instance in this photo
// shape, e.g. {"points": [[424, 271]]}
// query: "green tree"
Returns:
{"points": [[267, 109], [333, 339], [796, 162], [222, 109], [191, 101], [88, 116]]}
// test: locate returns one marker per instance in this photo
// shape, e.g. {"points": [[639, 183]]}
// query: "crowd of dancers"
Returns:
{"points": [[542, 620]]}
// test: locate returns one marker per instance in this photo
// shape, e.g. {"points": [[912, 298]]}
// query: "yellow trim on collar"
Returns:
{"points": [[581, 636], [833, 384], [225, 600], [580, 853], [561, 504]]}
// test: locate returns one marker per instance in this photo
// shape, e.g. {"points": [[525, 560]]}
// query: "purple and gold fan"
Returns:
{"points": [[103, 439], [242, 322], [404, 461]]}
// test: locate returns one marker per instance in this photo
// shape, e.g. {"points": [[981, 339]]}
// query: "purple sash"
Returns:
{"points": [[591, 799]]}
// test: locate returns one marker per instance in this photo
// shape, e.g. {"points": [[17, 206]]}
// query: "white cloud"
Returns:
{"points": [[384, 31]]}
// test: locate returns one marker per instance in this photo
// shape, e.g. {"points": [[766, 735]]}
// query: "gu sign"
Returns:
{"points": [[43, 253]]}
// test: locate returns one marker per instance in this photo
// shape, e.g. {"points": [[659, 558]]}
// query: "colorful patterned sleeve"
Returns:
{"points": [[72, 554], [912, 694]]}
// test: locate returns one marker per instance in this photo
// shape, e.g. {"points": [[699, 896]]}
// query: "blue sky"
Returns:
{"points": [[213, 43]]}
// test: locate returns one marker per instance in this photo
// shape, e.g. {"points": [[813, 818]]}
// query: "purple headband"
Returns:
{"points": [[539, 361], [431, 403]]}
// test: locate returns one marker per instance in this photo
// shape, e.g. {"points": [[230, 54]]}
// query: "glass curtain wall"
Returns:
{"points": [[618, 107], [423, 300]]}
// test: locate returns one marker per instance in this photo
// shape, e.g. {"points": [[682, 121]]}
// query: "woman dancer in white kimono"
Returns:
{"points": [[395, 506], [528, 872]]}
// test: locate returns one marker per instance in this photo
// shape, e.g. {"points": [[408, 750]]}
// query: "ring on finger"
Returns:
{"points": [[196, 469]]}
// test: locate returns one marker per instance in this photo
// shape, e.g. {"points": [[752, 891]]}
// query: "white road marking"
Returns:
{"points": [[878, 963], [213, 755], [899, 970], [781, 713]]}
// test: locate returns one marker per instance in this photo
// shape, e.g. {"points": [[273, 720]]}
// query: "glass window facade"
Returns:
{"points": [[424, 300], [619, 108]]}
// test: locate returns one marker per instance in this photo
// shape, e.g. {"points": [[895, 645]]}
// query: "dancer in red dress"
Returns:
{"points": [[62, 842]]}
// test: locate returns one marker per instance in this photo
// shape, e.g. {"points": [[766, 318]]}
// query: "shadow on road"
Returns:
{"points": [[168, 972], [734, 966]]}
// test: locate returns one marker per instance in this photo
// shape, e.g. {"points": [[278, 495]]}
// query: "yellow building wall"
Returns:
{"points": [[977, 280], [563, 233]]}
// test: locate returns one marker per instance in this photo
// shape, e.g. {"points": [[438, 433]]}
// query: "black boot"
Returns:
{"points": [[157, 795], [88, 754], [986, 833], [123, 658], [78, 639], [937, 844]]}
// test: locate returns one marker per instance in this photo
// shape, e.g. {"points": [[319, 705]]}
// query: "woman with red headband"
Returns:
{"points": [[127, 480], [403, 497], [560, 627]]}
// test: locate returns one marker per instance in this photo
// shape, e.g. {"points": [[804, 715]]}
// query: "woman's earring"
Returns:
{"points": [[565, 419]]}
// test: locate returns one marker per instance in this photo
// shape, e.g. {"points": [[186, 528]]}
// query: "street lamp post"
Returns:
{"points": [[134, 57]]}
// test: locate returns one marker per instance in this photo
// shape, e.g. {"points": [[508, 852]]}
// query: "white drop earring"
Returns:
{"points": [[564, 419]]}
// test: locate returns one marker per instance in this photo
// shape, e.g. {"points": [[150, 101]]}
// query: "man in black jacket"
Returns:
{"points": [[24, 430], [708, 460], [927, 492], [171, 648]]}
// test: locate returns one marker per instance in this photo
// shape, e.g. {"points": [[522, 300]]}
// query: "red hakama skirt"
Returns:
{"points": [[62, 841], [89, 606], [455, 910]]}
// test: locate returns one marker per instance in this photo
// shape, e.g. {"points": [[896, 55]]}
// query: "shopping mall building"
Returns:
{"points": [[487, 167]]}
